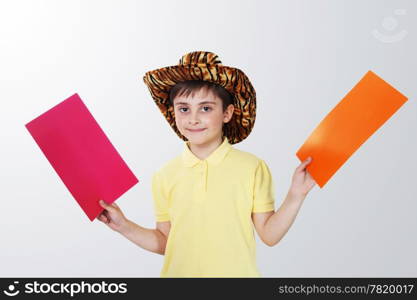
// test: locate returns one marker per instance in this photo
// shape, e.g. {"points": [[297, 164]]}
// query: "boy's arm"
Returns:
{"points": [[272, 226], [153, 240]]}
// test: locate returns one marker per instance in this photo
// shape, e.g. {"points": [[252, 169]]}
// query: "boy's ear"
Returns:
{"points": [[228, 113]]}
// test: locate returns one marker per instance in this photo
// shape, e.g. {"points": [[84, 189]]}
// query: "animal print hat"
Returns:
{"points": [[202, 65]]}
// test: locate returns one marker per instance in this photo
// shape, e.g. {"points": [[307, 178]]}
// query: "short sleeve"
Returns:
{"points": [[263, 190], [160, 199]]}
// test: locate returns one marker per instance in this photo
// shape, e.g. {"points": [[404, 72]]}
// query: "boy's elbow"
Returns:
{"points": [[161, 251], [270, 243], [161, 242], [267, 241]]}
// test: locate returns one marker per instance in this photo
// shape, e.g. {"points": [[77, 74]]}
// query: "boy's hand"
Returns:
{"points": [[112, 216], [302, 182]]}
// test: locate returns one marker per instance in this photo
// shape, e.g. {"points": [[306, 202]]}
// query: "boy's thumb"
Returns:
{"points": [[105, 205]]}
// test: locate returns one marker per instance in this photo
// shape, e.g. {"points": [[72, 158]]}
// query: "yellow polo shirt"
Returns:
{"points": [[209, 203]]}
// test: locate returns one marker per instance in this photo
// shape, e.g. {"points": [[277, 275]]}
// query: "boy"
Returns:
{"points": [[208, 199]]}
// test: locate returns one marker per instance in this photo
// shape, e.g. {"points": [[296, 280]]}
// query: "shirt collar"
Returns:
{"points": [[214, 158]]}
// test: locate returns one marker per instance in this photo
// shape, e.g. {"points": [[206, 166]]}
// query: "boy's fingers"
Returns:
{"points": [[105, 205], [106, 214], [304, 163], [102, 218], [307, 161], [109, 207]]}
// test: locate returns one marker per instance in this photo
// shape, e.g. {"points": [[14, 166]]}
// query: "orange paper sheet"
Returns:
{"points": [[370, 103]]}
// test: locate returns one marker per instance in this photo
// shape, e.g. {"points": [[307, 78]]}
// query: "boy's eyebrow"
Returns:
{"points": [[203, 102]]}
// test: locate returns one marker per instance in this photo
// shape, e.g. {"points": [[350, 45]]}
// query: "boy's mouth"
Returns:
{"points": [[196, 130]]}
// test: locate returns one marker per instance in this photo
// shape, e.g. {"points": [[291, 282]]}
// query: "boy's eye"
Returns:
{"points": [[209, 108]]}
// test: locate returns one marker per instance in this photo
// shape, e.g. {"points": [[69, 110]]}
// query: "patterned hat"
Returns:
{"points": [[202, 65]]}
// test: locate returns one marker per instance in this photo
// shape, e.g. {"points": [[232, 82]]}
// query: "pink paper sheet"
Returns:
{"points": [[82, 155]]}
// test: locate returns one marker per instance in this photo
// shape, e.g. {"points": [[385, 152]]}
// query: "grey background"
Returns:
{"points": [[301, 56]]}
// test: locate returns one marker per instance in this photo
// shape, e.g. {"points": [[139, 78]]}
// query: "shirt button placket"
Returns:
{"points": [[205, 167]]}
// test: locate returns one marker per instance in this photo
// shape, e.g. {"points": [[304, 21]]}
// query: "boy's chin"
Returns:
{"points": [[197, 137], [197, 140], [200, 140]]}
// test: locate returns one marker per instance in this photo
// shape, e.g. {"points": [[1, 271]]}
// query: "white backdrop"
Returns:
{"points": [[302, 58]]}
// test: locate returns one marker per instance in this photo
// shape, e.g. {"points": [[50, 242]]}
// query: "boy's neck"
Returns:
{"points": [[202, 151]]}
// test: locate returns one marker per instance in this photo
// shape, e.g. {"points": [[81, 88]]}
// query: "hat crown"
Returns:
{"points": [[200, 57]]}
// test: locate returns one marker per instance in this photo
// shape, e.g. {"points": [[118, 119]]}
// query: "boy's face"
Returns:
{"points": [[202, 111]]}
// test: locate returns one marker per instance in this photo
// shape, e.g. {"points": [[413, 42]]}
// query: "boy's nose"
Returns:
{"points": [[193, 120]]}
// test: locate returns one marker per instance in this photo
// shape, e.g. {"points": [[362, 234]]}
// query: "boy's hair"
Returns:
{"points": [[191, 86]]}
